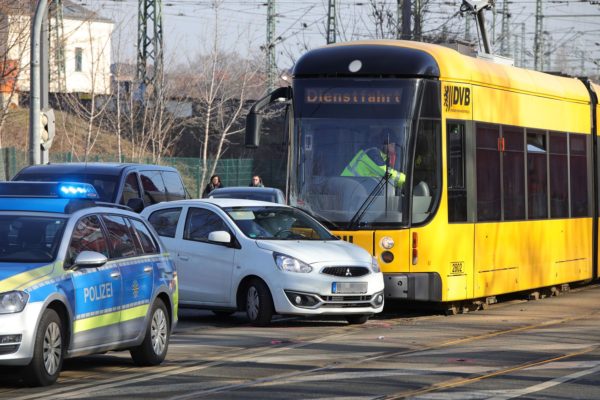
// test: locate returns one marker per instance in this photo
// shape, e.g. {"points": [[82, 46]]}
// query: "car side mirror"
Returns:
{"points": [[90, 259], [136, 204], [220, 237]]}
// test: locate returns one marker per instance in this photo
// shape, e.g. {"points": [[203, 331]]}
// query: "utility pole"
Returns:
{"points": [[398, 19], [331, 23], [504, 44], [468, 28], [406, 17], [34, 101], [150, 45], [57, 36], [523, 45], [515, 50], [538, 37], [270, 45], [418, 20]]}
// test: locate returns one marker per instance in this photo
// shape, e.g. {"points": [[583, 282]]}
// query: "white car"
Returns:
{"points": [[265, 258]]}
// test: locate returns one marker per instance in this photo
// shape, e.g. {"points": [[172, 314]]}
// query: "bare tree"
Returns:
{"points": [[14, 45], [225, 83]]}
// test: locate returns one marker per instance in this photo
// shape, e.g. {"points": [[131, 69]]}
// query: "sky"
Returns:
{"points": [[572, 28]]}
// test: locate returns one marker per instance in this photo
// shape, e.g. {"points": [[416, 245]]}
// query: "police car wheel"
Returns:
{"points": [[153, 350], [357, 319], [259, 304], [48, 353]]}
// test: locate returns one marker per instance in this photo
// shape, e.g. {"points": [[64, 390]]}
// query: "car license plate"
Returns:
{"points": [[349, 287]]}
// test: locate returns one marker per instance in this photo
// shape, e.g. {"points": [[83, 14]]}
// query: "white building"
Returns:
{"points": [[86, 49]]}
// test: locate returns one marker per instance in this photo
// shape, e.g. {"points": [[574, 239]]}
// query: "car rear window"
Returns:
{"points": [[165, 221]]}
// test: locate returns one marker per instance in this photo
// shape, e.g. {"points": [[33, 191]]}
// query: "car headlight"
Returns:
{"points": [[291, 264], [375, 265], [13, 302]]}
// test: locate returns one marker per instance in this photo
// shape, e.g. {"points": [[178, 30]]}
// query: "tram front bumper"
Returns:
{"points": [[413, 286]]}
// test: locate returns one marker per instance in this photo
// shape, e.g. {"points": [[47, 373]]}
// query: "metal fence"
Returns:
{"points": [[233, 172]]}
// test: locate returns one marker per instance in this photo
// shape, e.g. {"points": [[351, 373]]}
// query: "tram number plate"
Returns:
{"points": [[349, 287]]}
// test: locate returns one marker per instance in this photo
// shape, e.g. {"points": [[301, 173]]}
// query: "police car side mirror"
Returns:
{"points": [[90, 259]]}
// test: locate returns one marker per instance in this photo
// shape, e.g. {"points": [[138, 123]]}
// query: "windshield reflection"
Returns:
{"points": [[277, 223], [29, 239], [352, 168]]}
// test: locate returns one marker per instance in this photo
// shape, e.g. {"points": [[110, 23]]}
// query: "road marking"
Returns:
{"points": [[546, 385]]}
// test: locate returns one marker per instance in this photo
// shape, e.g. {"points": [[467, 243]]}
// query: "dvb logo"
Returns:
{"points": [[456, 96]]}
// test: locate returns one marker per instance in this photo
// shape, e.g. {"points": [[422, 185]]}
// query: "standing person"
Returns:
{"points": [[215, 183], [256, 181]]}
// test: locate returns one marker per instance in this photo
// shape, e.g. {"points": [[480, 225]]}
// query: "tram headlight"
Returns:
{"points": [[386, 242]]}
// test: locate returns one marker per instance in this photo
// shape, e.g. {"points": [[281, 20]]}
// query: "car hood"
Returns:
{"points": [[15, 276], [311, 252]]}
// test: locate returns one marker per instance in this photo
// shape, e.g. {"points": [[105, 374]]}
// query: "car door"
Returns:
{"points": [[137, 274], [205, 268], [97, 300]]}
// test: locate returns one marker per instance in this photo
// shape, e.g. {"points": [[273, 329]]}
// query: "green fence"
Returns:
{"points": [[233, 172]]}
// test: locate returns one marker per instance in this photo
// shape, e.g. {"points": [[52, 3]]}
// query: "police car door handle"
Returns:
{"points": [[184, 258], [115, 275], [148, 269]]}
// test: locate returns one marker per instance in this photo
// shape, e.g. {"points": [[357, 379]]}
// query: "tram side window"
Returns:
{"points": [[579, 177], [426, 178], [559, 175], [488, 172], [537, 174], [513, 173], [457, 191]]}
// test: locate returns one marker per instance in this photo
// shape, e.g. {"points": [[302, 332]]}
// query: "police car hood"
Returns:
{"points": [[16, 275], [315, 251]]}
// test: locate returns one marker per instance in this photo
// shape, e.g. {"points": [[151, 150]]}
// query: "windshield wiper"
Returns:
{"points": [[319, 217], [368, 201]]}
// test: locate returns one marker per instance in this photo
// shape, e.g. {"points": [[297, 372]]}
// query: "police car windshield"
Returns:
{"points": [[29, 239], [105, 185], [277, 223]]}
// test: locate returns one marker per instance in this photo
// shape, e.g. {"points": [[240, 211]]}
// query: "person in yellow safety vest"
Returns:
{"points": [[372, 163]]}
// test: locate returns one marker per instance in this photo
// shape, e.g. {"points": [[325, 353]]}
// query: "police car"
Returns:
{"points": [[77, 278]]}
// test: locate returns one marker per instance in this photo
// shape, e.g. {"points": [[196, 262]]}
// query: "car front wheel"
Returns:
{"points": [[259, 303], [48, 352], [153, 350]]}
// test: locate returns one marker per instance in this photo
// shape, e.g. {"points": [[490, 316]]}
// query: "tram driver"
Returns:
{"points": [[376, 161]]}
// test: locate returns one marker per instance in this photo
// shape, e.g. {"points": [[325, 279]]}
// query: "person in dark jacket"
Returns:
{"points": [[256, 181], [215, 183]]}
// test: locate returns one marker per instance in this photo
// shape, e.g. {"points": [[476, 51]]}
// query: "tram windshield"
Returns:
{"points": [[350, 164]]}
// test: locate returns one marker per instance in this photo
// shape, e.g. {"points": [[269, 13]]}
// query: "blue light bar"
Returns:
{"points": [[76, 190], [65, 190]]}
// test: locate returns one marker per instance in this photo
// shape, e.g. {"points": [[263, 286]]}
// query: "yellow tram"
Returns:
{"points": [[465, 178]]}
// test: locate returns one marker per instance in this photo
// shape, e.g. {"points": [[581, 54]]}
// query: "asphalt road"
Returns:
{"points": [[545, 349]]}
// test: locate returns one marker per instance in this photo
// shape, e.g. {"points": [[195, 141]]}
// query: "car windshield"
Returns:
{"points": [[277, 223], [30, 238], [105, 185]]}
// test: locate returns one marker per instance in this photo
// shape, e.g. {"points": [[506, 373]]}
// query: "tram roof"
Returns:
{"points": [[451, 66]]}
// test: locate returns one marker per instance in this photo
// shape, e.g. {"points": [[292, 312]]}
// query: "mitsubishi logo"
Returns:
{"points": [[348, 273]]}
